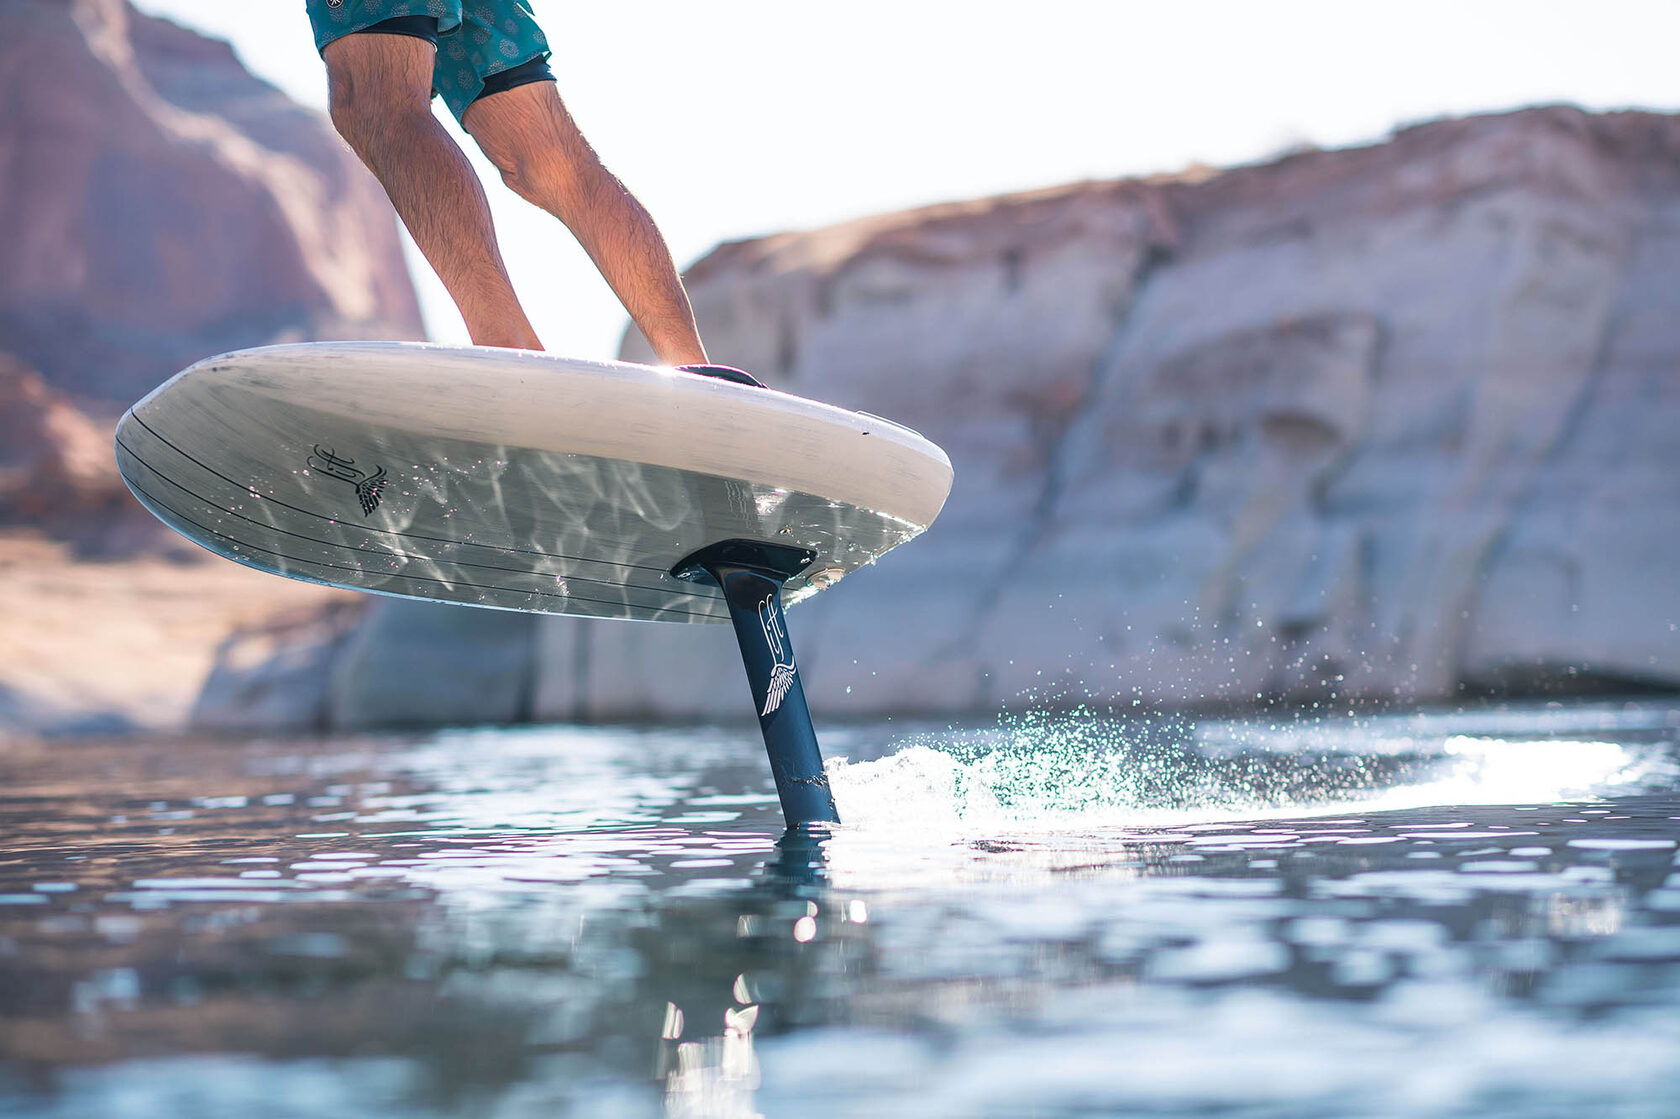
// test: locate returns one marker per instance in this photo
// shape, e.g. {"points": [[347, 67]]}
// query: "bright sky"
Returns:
{"points": [[732, 119]]}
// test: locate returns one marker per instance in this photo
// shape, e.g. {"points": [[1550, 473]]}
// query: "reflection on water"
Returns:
{"points": [[1421, 915]]}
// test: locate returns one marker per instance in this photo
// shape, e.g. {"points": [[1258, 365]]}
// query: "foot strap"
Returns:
{"points": [[724, 373]]}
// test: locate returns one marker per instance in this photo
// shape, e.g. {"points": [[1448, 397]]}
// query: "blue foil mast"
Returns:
{"points": [[750, 574]]}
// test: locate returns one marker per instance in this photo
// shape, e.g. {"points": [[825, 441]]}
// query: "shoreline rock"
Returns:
{"points": [[1397, 423], [1386, 422]]}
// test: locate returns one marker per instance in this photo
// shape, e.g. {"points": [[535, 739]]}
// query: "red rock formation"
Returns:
{"points": [[55, 462], [159, 204]]}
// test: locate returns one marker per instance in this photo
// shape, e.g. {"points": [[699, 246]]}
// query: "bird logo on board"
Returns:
{"points": [[782, 671], [368, 486]]}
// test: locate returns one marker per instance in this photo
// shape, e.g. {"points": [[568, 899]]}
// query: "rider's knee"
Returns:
{"points": [[374, 83], [518, 170], [551, 176], [354, 113], [364, 108]]}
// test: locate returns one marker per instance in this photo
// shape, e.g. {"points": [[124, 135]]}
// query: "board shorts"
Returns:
{"points": [[476, 40]]}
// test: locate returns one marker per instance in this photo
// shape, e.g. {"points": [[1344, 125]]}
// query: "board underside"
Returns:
{"points": [[326, 499]]}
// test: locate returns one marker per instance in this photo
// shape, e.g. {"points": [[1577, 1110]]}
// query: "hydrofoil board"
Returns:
{"points": [[517, 480]]}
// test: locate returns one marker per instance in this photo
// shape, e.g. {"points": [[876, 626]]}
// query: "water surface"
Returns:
{"points": [[1443, 914]]}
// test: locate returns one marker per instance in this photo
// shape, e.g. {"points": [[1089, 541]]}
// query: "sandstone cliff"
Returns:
{"points": [[159, 204], [1384, 422], [55, 462]]}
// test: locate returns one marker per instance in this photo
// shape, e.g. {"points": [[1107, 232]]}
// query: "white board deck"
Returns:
{"points": [[514, 479]]}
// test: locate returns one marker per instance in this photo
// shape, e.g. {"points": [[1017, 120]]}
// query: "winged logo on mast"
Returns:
{"points": [[782, 671]]}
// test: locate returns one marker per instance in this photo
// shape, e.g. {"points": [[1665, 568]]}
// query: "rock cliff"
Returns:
{"points": [[1393, 421], [55, 463], [159, 204]]}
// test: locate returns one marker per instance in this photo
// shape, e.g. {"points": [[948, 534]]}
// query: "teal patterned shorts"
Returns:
{"points": [[476, 38]]}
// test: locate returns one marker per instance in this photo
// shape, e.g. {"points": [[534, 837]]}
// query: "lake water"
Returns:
{"points": [[1471, 914]]}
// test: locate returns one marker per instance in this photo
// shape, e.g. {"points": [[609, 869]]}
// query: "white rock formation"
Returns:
{"points": [[1387, 422], [1378, 422]]}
